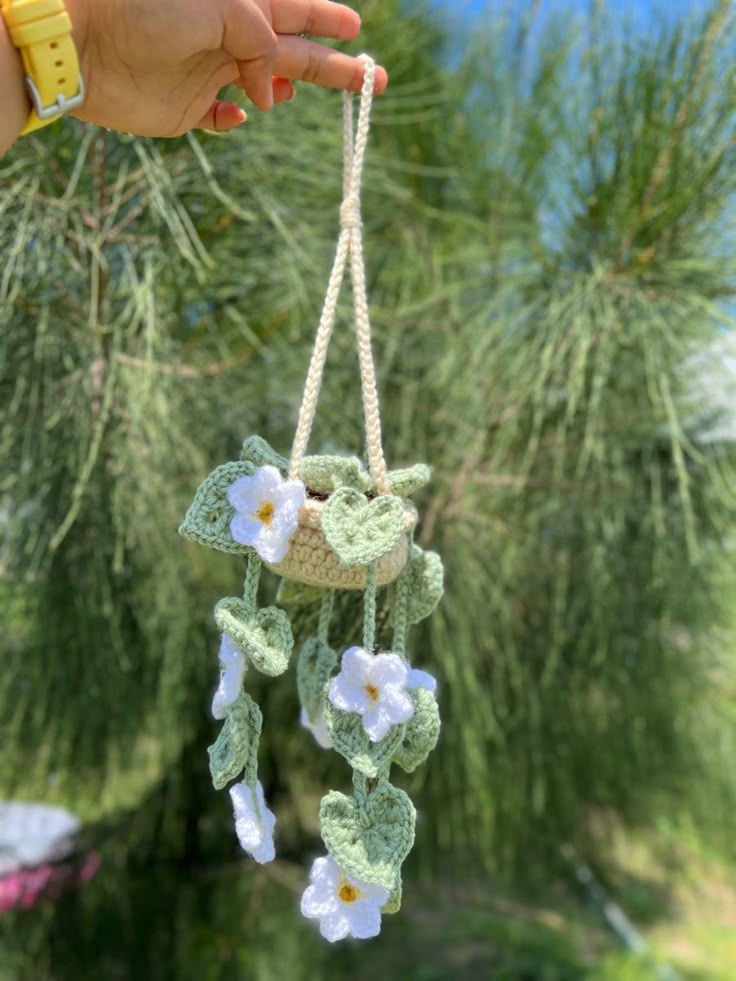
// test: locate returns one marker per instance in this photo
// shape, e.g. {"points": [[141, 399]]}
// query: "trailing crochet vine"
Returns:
{"points": [[330, 523]]}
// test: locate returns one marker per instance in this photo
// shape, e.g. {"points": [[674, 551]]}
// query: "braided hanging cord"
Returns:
{"points": [[349, 248]]}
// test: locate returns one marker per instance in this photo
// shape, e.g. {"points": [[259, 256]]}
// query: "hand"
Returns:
{"points": [[154, 68]]}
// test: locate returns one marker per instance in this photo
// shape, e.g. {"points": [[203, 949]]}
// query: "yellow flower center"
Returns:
{"points": [[265, 513], [372, 692], [347, 892]]}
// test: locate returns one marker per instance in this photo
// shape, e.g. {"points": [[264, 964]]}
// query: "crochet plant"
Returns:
{"points": [[328, 523]]}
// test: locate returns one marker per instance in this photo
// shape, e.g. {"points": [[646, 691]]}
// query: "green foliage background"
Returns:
{"points": [[549, 229]]}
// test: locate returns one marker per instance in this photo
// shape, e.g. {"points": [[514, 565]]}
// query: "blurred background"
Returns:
{"points": [[549, 225]]}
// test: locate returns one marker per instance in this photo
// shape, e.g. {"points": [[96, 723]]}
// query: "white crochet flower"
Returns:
{"points": [[374, 686], [254, 823], [318, 728], [232, 672], [266, 511], [422, 679], [345, 907]]}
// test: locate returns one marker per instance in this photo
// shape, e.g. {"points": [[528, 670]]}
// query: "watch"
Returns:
{"points": [[42, 32]]}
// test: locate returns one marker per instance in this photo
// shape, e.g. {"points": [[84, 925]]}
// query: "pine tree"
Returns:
{"points": [[548, 228]]}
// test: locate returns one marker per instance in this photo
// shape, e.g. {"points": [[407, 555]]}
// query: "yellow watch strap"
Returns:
{"points": [[42, 32]]}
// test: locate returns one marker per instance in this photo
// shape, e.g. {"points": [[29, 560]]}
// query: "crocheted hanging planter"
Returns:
{"points": [[335, 535], [323, 524], [342, 526]]}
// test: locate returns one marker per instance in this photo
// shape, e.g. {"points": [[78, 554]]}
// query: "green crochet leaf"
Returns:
{"points": [[324, 474], [293, 593], [425, 583], [265, 635], [208, 519], [358, 530], [369, 843], [350, 740], [421, 731], [406, 482], [316, 663], [236, 748], [393, 903], [257, 451]]}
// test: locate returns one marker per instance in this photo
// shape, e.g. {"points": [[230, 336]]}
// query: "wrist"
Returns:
{"points": [[40, 37], [78, 14], [16, 104]]}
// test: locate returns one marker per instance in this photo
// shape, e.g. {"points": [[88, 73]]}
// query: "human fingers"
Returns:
{"points": [[321, 18], [221, 117], [307, 61], [283, 90], [251, 41]]}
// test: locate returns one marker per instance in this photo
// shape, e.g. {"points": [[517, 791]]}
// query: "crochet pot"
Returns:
{"points": [[312, 560], [334, 523]]}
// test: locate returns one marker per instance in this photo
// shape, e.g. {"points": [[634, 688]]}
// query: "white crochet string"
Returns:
{"points": [[349, 246]]}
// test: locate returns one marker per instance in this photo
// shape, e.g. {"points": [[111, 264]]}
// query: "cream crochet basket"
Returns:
{"points": [[311, 559]]}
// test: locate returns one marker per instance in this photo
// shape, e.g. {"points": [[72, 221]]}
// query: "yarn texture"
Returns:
{"points": [[358, 530], [313, 560], [424, 583], [265, 635], [324, 474], [236, 748], [326, 523], [371, 835], [232, 673], [350, 740], [421, 732], [208, 519], [254, 822], [316, 663], [344, 905]]}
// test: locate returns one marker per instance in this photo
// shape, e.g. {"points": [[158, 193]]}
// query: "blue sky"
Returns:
{"points": [[641, 11], [634, 17]]}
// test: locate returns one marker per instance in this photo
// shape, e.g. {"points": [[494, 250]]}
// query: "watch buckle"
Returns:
{"points": [[62, 104]]}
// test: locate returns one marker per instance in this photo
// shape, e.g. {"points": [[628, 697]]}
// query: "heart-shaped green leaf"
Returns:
{"points": [[264, 635], [406, 482], [369, 843], [236, 748], [324, 474], [257, 451], [421, 731], [350, 740], [316, 663], [208, 519], [358, 530], [424, 583]]}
